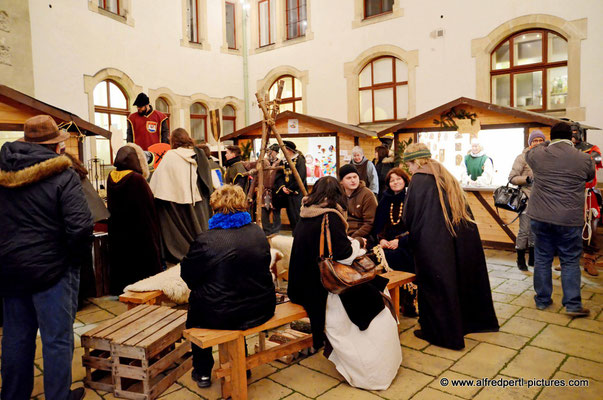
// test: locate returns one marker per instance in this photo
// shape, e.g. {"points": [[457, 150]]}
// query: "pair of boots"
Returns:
{"points": [[521, 258], [589, 264]]}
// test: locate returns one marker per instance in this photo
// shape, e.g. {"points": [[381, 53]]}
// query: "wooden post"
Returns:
{"points": [[270, 120]]}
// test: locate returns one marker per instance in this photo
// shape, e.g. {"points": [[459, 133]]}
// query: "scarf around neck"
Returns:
{"points": [[316, 210], [228, 221]]}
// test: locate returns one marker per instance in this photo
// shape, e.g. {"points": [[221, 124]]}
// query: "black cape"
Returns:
{"points": [[134, 244], [454, 291]]}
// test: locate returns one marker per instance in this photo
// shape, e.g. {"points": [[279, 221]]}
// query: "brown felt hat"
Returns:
{"points": [[42, 129]]}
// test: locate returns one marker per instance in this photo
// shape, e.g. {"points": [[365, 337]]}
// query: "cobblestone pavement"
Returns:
{"points": [[531, 344]]}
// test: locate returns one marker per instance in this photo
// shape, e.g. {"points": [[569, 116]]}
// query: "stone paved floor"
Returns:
{"points": [[530, 344]]}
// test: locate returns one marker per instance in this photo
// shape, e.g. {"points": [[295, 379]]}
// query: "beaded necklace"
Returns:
{"points": [[391, 214]]}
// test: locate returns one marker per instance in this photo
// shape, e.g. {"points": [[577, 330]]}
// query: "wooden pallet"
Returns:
{"points": [[139, 354]]}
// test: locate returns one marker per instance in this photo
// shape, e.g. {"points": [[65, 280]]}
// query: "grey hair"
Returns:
{"points": [[357, 149]]}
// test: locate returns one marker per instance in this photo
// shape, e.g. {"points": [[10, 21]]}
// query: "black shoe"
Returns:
{"points": [[77, 394], [203, 381], [531, 256], [419, 334], [583, 312], [521, 260]]}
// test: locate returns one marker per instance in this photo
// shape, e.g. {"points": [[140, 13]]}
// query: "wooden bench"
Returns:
{"points": [[234, 363]]}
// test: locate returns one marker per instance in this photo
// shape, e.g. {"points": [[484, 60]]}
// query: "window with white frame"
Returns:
{"points": [[192, 21], [198, 122], [231, 30], [229, 120], [383, 90], [377, 7], [291, 97], [111, 113], [529, 70], [296, 18], [267, 22]]}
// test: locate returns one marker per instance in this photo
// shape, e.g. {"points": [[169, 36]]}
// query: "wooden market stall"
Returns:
{"points": [[503, 131], [329, 143], [17, 107]]}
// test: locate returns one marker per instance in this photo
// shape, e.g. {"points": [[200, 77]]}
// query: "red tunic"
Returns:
{"points": [[146, 130], [591, 198]]}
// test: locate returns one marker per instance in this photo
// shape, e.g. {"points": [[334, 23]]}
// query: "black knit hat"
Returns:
{"points": [[141, 100], [347, 169], [290, 145]]}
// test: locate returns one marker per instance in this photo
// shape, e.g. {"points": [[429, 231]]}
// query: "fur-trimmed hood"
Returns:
{"points": [[23, 164]]}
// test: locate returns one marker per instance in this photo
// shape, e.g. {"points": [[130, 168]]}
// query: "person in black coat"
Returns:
{"points": [[287, 193], [389, 230], [134, 241], [228, 272], [454, 291], [383, 164], [46, 233], [362, 302]]}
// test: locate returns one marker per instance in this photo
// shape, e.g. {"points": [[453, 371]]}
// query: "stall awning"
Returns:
{"points": [[17, 107], [326, 123], [487, 113]]}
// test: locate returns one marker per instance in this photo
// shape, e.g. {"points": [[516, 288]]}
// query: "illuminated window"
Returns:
{"points": [[383, 90], [199, 121], [229, 120], [529, 70], [296, 18], [291, 98]]}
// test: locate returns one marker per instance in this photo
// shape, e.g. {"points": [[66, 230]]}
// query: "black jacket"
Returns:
{"points": [[362, 303], [228, 273], [285, 177], [46, 226]]}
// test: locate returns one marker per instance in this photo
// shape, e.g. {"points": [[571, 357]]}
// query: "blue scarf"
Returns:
{"points": [[227, 221]]}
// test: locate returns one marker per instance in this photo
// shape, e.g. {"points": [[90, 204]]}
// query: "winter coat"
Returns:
{"points": [[362, 303], [45, 220], [520, 172], [383, 167], [368, 174], [454, 296], [560, 173], [228, 273], [362, 206], [175, 179]]}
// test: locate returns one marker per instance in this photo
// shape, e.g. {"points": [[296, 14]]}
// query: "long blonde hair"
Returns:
{"points": [[446, 183]]}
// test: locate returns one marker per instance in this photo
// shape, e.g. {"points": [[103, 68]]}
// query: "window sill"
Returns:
{"points": [[234, 52], [283, 43], [204, 45], [395, 13]]}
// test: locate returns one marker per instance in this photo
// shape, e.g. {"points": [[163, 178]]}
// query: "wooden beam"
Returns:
{"points": [[494, 215]]}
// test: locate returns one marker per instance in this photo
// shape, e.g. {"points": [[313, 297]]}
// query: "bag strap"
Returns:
{"points": [[325, 231], [514, 219]]}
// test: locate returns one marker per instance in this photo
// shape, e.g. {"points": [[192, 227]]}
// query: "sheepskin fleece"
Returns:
{"points": [[168, 281], [172, 285], [35, 173]]}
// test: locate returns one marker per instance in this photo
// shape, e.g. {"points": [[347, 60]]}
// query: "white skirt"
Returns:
{"points": [[367, 359]]}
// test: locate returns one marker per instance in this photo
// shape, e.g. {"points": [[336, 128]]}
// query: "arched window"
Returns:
{"points": [[229, 119], [529, 70], [383, 86], [199, 121], [110, 106], [291, 98], [162, 105]]}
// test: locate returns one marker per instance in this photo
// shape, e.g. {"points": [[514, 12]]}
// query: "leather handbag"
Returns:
{"points": [[337, 277], [510, 198]]}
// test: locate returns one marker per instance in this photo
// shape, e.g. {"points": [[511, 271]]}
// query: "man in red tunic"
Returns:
{"points": [[593, 198], [147, 126]]}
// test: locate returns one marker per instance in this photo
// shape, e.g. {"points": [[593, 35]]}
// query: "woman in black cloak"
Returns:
{"points": [[133, 227], [454, 291]]}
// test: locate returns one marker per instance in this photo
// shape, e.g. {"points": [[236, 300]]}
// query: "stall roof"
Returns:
{"points": [[513, 115], [327, 123], [17, 107]]}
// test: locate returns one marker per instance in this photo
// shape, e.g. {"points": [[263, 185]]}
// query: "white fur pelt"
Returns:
{"points": [[172, 285], [283, 244], [168, 281]]}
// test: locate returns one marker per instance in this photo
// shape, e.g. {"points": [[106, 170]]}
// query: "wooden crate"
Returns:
{"points": [[143, 349]]}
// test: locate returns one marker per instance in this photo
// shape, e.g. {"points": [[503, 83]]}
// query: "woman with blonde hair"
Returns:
{"points": [[454, 291], [227, 270]]}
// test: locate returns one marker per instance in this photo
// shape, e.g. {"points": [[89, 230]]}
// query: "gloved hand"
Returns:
{"points": [[529, 180]]}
